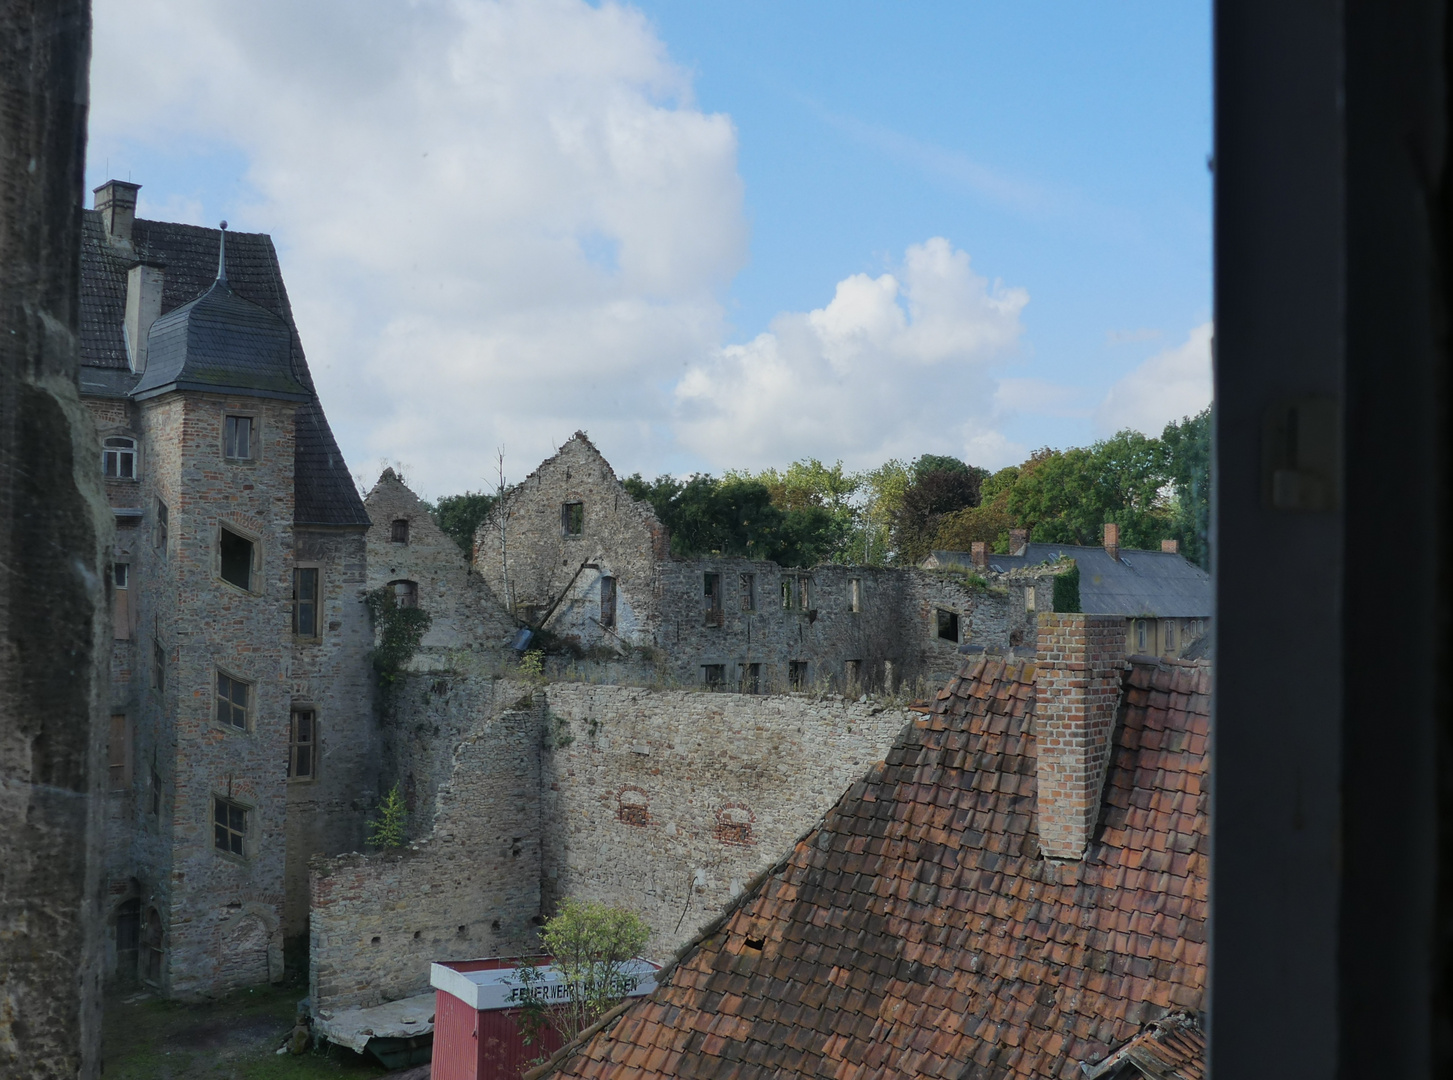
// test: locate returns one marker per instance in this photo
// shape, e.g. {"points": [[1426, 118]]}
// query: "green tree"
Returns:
{"points": [[460, 515], [389, 828], [590, 944], [1188, 465], [938, 486], [1067, 496]]}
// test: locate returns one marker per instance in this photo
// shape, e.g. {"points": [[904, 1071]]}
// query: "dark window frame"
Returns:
{"points": [[239, 439], [158, 666], [711, 598], [749, 592], [229, 826], [226, 706], [307, 607], [797, 674], [572, 518], [713, 676], [303, 748], [163, 527], [398, 531], [406, 592], [224, 557], [608, 593]]}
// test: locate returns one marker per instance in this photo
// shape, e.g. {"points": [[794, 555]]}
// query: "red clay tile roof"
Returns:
{"points": [[918, 932], [1170, 1049]]}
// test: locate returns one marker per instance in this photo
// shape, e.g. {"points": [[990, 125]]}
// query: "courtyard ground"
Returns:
{"points": [[231, 1038]]}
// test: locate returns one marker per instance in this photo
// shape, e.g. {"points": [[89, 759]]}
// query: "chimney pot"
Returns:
{"points": [[1018, 541], [979, 552], [1170, 547], [1112, 540], [116, 200]]}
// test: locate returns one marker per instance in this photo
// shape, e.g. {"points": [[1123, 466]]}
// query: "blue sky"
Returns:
{"points": [[712, 234]]}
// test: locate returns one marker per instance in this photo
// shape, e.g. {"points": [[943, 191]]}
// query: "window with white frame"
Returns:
{"points": [[118, 458]]}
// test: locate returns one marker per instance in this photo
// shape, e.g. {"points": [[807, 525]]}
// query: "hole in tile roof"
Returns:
{"points": [[756, 943]]}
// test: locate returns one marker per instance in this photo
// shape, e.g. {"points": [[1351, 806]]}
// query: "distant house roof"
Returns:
{"points": [[324, 489], [918, 932], [1149, 583]]}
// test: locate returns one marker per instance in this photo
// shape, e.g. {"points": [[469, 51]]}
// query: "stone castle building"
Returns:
{"points": [[242, 731]]}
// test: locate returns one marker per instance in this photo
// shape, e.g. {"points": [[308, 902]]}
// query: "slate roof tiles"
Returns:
{"points": [[917, 931]]}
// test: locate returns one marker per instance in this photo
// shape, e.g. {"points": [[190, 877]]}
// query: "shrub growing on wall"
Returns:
{"points": [[390, 828], [1067, 591], [400, 630]]}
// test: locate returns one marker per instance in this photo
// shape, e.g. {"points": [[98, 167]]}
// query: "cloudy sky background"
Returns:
{"points": [[712, 234]]}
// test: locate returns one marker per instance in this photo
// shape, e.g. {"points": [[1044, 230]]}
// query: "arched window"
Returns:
{"points": [[1141, 635], [406, 593], [118, 458]]}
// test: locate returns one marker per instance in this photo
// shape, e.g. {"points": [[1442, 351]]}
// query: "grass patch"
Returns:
{"points": [[229, 1038]]}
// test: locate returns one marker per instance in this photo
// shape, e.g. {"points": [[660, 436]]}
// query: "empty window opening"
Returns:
{"points": [[749, 678], [948, 625], [713, 676], [608, 602], [711, 598], [237, 438], [158, 667], [151, 954], [797, 674], [119, 753], [155, 792], [121, 608], [786, 594], [572, 518], [406, 593], [633, 807], [163, 525], [303, 745], [229, 825], [804, 594], [232, 702], [852, 672], [236, 558], [118, 458], [398, 531], [749, 592], [305, 601], [855, 594]]}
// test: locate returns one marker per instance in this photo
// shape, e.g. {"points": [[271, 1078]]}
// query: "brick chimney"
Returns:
{"points": [[1112, 540], [1080, 664], [979, 552], [1170, 547], [116, 199], [1018, 541]]}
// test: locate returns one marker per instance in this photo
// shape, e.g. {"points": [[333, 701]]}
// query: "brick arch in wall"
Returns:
{"points": [[734, 824], [633, 806]]}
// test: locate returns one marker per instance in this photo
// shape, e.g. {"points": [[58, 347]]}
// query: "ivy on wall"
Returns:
{"points": [[400, 630]]}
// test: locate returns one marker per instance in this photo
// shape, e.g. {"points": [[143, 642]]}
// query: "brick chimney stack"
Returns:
{"points": [[1170, 547], [1112, 540], [116, 199], [1018, 541], [979, 552], [1080, 665]]}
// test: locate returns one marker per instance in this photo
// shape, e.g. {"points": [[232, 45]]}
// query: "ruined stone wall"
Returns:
{"points": [[333, 676], [668, 802], [224, 924], [471, 888], [467, 615], [619, 535]]}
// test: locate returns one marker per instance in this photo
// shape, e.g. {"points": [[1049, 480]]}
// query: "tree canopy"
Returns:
{"points": [[460, 515]]}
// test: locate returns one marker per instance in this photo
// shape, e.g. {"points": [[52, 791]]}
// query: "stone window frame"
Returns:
{"points": [[397, 535], [243, 836], [749, 677], [249, 708], [749, 591], [797, 675], [852, 674], [254, 436], [571, 516], [635, 814], [409, 596], [609, 599], [313, 743], [732, 832], [125, 447], [317, 601], [713, 677], [151, 947], [713, 614], [255, 576]]}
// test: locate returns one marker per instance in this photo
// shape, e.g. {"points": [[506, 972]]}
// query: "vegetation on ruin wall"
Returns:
{"points": [[591, 943], [399, 629], [459, 516], [388, 828]]}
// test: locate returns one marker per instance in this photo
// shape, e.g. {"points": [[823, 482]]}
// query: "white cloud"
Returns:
{"points": [[1166, 387], [893, 366], [499, 220]]}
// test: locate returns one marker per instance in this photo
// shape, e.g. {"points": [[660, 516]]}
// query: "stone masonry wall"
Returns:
{"points": [[467, 615], [1081, 661], [471, 888], [619, 535], [668, 802]]}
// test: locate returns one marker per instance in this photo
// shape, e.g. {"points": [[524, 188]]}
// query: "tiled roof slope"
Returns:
{"points": [[1169, 1049], [324, 490], [917, 932]]}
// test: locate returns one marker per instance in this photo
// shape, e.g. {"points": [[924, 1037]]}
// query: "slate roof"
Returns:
{"points": [[1143, 583], [324, 489], [917, 932]]}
